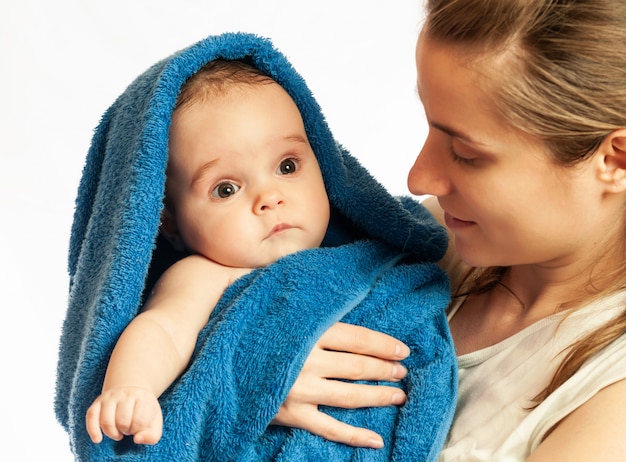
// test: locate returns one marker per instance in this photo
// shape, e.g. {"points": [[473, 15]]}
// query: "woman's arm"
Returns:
{"points": [[593, 432], [345, 352]]}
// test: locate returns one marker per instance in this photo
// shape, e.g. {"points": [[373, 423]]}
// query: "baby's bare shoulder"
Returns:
{"points": [[198, 266]]}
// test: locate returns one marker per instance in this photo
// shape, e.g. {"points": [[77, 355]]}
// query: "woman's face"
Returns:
{"points": [[505, 200]]}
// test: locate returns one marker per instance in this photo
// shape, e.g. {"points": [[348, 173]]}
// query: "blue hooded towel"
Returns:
{"points": [[375, 268]]}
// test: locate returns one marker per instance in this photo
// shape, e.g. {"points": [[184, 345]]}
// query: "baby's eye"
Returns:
{"points": [[287, 166], [224, 190]]}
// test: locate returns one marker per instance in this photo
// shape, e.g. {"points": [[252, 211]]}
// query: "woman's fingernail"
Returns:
{"points": [[398, 398], [398, 371], [375, 443], [402, 351]]}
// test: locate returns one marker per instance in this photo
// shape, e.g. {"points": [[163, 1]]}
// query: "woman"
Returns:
{"points": [[526, 155]]}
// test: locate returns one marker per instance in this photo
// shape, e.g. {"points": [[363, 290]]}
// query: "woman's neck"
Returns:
{"points": [[527, 294]]}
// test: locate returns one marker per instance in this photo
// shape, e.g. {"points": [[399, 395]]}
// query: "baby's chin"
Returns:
{"points": [[279, 253], [262, 256]]}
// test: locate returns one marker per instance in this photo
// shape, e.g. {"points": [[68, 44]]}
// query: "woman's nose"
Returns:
{"points": [[428, 174]]}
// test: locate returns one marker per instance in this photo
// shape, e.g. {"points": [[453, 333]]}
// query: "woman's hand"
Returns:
{"points": [[345, 352]]}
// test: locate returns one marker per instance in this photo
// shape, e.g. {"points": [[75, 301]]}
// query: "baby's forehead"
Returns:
{"points": [[245, 116], [240, 94], [221, 77]]}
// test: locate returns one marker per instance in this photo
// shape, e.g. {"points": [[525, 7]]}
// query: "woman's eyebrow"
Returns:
{"points": [[455, 133], [449, 130]]}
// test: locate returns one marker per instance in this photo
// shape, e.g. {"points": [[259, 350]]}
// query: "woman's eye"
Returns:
{"points": [[224, 190], [460, 159], [287, 167]]}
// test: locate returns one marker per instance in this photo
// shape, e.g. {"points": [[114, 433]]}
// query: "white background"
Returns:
{"points": [[63, 62]]}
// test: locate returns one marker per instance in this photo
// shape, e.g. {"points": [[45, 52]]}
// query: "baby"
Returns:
{"points": [[243, 189]]}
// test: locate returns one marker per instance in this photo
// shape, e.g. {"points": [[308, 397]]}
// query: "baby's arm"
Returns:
{"points": [[155, 349]]}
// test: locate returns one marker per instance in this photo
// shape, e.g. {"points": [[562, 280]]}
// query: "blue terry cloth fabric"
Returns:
{"points": [[375, 268]]}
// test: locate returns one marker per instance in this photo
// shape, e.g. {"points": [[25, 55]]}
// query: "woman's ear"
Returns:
{"points": [[612, 153]]}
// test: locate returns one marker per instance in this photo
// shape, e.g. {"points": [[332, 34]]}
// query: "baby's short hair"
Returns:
{"points": [[219, 77]]}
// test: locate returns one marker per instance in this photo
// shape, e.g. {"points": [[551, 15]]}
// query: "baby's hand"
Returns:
{"points": [[126, 411]]}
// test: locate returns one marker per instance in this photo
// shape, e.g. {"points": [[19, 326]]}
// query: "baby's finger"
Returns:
{"points": [[125, 417], [147, 422], [150, 435], [92, 421], [108, 421]]}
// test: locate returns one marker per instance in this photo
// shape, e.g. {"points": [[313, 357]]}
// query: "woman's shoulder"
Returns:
{"points": [[590, 399]]}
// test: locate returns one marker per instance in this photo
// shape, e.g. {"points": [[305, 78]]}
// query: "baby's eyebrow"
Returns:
{"points": [[202, 171], [297, 139]]}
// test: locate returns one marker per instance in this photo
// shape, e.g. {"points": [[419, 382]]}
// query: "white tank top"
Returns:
{"points": [[496, 385]]}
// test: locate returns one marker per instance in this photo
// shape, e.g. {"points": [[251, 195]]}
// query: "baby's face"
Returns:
{"points": [[245, 183]]}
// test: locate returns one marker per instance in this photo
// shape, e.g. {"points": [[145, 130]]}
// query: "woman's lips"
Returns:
{"points": [[456, 223]]}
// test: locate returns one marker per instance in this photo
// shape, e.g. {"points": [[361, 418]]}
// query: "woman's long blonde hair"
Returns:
{"points": [[565, 84]]}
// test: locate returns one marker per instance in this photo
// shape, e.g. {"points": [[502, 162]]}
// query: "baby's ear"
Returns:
{"points": [[613, 154], [168, 222], [169, 230]]}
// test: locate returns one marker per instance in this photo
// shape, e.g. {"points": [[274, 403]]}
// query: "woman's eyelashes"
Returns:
{"points": [[460, 159]]}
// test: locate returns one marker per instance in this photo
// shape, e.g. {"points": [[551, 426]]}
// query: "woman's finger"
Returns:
{"points": [[361, 340], [348, 366], [323, 425], [310, 389]]}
